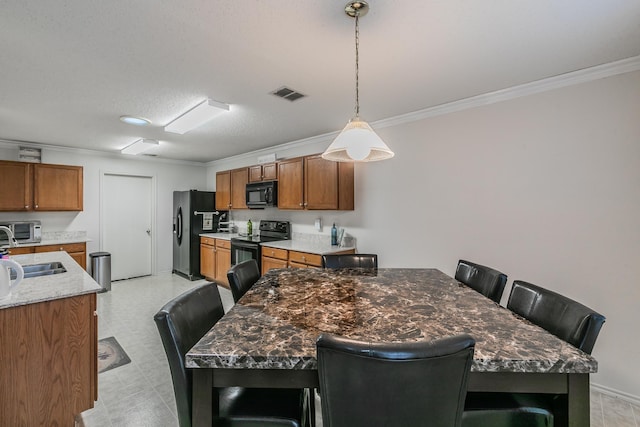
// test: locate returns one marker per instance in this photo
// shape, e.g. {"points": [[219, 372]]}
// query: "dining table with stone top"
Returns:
{"points": [[268, 338]]}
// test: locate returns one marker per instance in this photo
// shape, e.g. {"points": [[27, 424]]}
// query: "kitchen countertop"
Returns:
{"points": [[56, 242], [312, 247], [300, 245], [75, 281]]}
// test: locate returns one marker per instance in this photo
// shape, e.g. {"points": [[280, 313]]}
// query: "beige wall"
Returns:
{"points": [[545, 188]]}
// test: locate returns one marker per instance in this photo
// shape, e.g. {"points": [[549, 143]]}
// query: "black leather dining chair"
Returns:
{"points": [[486, 280], [181, 323], [350, 261], [242, 277], [393, 384], [565, 318]]}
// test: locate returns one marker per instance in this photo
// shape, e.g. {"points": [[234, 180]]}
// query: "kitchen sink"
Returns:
{"points": [[44, 269]]}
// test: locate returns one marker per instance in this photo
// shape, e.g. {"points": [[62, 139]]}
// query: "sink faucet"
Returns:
{"points": [[12, 240]]}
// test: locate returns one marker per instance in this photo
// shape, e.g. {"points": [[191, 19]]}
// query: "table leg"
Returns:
{"points": [[203, 393], [578, 400]]}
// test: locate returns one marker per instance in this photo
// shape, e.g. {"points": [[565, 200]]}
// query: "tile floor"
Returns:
{"points": [[141, 394]]}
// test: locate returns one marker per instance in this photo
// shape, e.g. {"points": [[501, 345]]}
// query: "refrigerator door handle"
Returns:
{"points": [[179, 217]]}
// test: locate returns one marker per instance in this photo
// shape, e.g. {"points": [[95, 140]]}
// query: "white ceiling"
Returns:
{"points": [[69, 69]]}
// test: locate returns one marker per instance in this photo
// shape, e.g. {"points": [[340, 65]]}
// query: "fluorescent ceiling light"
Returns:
{"points": [[140, 146], [197, 116], [138, 121]]}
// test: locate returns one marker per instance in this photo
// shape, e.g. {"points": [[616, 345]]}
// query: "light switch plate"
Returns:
{"points": [[318, 224]]}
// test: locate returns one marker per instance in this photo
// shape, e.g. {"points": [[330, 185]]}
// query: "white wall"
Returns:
{"points": [[169, 176], [545, 188]]}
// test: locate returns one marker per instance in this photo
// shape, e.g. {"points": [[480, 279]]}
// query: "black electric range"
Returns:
{"points": [[248, 247]]}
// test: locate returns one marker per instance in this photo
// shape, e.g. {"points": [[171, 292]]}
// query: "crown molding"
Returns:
{"points": [[556, 82]]}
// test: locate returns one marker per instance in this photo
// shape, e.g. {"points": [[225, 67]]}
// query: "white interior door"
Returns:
{"points": [[126, 224]]}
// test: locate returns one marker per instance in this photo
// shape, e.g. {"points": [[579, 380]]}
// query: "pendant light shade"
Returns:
{"points": [[357, 142]]}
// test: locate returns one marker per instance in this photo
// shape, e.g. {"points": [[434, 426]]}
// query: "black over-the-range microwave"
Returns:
{"points": [[261, 195]]}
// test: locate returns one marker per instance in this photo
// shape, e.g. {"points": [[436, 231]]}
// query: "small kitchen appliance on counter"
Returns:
{"points": [[23, 231], [248, 247]]}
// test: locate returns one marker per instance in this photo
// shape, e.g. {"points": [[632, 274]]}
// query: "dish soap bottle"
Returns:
{"points": [[334, 235], [249, 228]]}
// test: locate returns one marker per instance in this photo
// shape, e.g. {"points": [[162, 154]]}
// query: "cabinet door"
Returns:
{"points": [[290, 184], [321, 183], [223, 264], [255, 173], [269, 172], [77, 251], [239, 180], [223, 190], [57, 187], [15, 190], [207, 261], [269, 263]]}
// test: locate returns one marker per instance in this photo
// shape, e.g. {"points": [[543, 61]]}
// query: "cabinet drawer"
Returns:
{"points": [[67, 247], [275, 253], [207, 241], [223, 243], [305, 258]]}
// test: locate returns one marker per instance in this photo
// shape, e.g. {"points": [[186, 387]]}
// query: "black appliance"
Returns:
{"points": [[193, 213], [248, 247], [262, 194]]}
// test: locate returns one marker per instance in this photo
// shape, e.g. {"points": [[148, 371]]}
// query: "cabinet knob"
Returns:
{"points": [[36, 206], [305, 203], [304, 258], [300, 204], [61, 248], [26, 207]]}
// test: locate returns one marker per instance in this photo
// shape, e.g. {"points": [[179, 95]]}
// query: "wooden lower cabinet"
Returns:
{"points": [[77, 251], [215, 259], [273, 258], [49, 361]]}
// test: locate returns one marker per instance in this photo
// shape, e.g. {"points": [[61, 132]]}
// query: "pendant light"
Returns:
{"points": [[357, 142]]}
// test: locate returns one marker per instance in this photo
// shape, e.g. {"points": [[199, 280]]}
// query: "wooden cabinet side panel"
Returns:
{"points": [[47, 361], [290, 184], [15, 190], [223, 190], [321, 183], [57, 187], [346, 186]]}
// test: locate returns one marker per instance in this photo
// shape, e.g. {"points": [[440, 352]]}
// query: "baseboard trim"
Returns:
{"points": [[634, 400]]}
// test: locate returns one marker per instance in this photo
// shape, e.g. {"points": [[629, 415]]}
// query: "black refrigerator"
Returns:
{"points": [[193, 213]]}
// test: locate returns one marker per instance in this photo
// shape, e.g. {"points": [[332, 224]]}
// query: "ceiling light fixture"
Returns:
{"points": [[140, 146], [357, 142], [138, 121], [197, 116]]}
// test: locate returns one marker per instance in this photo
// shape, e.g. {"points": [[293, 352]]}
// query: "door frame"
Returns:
{"points": [[154, 204]]}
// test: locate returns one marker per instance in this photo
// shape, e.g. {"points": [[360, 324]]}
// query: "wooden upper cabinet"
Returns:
{"points": [[40, 187], [290, 184], [239, 180], [57, 187], [231, 189], [223, 190], [16, 187], [265, 172], [314, 183]]}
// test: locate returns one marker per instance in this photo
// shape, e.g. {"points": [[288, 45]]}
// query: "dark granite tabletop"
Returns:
{"points": [[275, 325]]}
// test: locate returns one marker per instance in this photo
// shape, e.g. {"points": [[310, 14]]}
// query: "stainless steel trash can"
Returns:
{"points": [[101, 269]]}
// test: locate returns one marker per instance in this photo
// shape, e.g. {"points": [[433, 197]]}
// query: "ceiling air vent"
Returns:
{"points": [[286, 93]]}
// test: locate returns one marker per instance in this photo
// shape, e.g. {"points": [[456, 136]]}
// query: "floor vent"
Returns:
{"points": [[286, 93]]}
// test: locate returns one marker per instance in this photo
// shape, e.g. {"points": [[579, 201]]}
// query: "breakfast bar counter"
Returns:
{"points": [[268, 338]]}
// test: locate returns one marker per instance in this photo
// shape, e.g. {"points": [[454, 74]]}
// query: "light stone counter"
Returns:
{"points": [[60, 238], [309, 246], [224, 236], [75, 281]]}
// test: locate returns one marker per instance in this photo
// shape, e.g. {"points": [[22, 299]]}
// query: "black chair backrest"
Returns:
{"points": [[242, 277], [350, 261], [567, 319], [393, 384], [181, 323], [486, 280]]}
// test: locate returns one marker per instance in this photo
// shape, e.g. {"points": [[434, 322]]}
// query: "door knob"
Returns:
{"points": [[149, 232]]}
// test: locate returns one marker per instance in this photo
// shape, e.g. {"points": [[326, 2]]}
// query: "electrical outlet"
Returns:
{"points": [[318, 224]]}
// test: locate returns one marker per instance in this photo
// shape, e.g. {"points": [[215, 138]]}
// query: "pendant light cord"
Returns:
{"points": [[357, 68]]}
